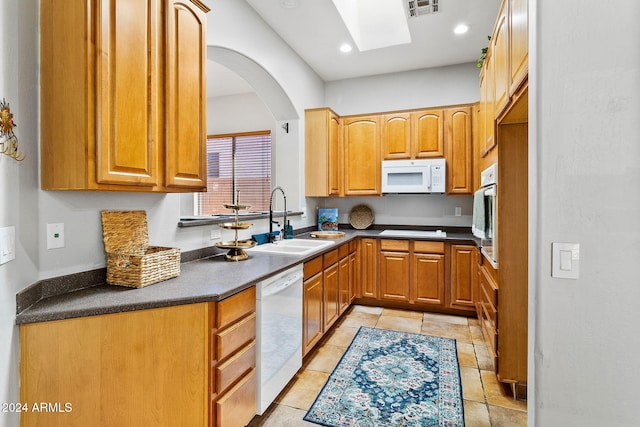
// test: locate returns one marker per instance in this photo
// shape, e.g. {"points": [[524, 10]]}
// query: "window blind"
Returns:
{"points": [[237, 162]]}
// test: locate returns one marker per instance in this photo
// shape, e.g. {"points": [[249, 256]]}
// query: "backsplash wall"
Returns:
{"points": [[407, 209]]}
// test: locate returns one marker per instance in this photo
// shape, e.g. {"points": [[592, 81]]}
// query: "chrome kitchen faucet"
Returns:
{"points": [[271, 221]]}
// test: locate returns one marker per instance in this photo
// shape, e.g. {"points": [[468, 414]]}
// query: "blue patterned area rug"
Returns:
{"points": [[389, 378]]}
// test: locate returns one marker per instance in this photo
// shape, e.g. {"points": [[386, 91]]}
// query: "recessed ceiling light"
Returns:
{"points": [[461, 29], [345, 48]]}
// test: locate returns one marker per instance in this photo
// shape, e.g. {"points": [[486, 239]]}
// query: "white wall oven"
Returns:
{"points": [[485, 214]]}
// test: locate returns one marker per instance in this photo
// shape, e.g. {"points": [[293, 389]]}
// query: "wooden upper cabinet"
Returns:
{"points": [[362, 164], [323, 153], [186, 96], [108, 69], [487, 106], [518, 42], [458, 137], [127, 107], [427, 133], [500, 42], [396, 136]]}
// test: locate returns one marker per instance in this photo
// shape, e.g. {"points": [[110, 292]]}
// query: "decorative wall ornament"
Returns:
{"points": [[8, 140]]}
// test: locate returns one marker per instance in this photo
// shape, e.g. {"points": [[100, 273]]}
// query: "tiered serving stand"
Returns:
{"points": [[236, 247]]}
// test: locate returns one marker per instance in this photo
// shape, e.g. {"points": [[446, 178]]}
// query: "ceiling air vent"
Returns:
{"points": [[422, 7]]}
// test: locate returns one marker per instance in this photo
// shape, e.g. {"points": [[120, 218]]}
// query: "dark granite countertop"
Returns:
{"points": [[207, 279]]}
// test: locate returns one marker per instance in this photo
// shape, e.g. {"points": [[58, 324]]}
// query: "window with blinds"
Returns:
{"points": [[237, 162]]}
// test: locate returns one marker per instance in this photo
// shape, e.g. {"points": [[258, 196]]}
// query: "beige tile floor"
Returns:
{"points": [[486, 402]]}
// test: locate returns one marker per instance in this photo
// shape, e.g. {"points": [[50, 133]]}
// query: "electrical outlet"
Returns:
{"points": [[458, 211], [7, 244], [55, 236], [216, 234]]}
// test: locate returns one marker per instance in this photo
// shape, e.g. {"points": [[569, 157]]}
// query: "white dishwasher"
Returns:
{"points": [[279, 333]]}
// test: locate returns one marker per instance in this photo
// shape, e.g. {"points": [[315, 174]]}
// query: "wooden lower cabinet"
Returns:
{"points": [[328, 290], [464, 278], [427, 280], [190, 364], [487, 306], [354, 270], [368, 286], [312, 303], [394, 270], [331, 283], [421, 272]]}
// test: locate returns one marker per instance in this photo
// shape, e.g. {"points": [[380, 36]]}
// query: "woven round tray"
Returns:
{"points": [[360, 217]]}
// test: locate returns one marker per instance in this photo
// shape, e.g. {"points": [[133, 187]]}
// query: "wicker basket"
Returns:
{"points": [[130, 260], [361, 217]]}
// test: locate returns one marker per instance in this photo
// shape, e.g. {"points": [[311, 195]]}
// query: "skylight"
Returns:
{"points": [[374, 24]]}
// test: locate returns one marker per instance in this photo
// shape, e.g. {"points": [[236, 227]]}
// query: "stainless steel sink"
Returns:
{"points": [[296, 247], [414, 233]]}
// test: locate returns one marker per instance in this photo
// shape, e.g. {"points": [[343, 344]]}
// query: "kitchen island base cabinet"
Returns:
{"points": [[190, 364]]}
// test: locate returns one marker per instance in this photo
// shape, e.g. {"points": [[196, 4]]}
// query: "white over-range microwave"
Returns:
{"points": [[414, 176]]}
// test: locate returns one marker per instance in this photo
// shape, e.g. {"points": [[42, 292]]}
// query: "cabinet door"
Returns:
{"points": [[116, 367], [312, 312], [502, 70], [344, 275], [427, 134], [463, 277], [394, 275], [368, 286], [186, 95], [331, 285], [487, 111], [428, 279], [335, 156], [354, 275], [362, 167], [518, 42], [396, 136], [459, 150], [127, 88]]}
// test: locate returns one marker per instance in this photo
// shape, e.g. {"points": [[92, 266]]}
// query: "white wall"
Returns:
{"points": [[456, 84], [586, 154], [18, 198]]}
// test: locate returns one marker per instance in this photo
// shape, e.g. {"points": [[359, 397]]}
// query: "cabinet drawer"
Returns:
{"points": [[227, 341], [353, 246], [330, 258], [238, 406], [394, 245], [343, 251], [426, 247], [227, 373], [313, 267], [235, 307], [488, 287]]}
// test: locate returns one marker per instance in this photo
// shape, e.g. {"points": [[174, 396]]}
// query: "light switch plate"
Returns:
{"points": [[55, 236], [565, 260], [7, 244]]}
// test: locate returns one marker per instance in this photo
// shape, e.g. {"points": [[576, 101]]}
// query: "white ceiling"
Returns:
{"points": [[314, 29]]}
